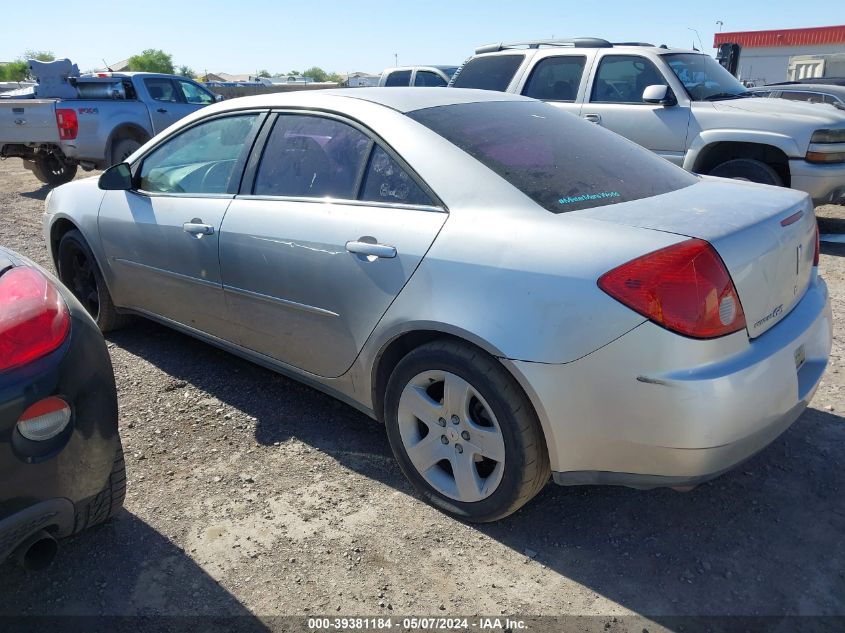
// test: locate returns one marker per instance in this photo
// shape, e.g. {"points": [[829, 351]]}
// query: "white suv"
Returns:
{"points": [[680, 104]]}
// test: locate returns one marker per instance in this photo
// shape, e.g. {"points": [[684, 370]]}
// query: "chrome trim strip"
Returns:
{"points": [[353, 203], [250, 294]]}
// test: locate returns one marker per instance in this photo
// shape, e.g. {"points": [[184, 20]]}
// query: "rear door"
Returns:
{"points": [[615, 102], [321, 241], [161, 239]]}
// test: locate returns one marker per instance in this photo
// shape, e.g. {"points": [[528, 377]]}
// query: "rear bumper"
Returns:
{"points": [[656, 409], [824, 183], [56, 515]]}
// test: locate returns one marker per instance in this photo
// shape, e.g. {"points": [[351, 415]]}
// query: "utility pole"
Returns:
{"points": [[396, 59], [721, 24]]}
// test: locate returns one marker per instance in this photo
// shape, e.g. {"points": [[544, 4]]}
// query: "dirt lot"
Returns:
{"points": [[252, 495]]}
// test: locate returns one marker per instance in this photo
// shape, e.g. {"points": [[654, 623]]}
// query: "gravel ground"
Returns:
{"points": [[252, 495]]}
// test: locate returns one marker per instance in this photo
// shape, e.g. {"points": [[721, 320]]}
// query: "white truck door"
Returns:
{"points": [[615, 101]]}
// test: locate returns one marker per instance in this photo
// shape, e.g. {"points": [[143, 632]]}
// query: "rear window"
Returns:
{"points": [[493, 72], [398, 78], [558, 160]]}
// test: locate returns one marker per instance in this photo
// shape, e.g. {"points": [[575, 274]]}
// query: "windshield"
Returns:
{"points": [[704, 78], [561, 162]]}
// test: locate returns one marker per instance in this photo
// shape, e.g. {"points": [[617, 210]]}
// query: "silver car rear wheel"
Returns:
{"points": [[451, 436]]}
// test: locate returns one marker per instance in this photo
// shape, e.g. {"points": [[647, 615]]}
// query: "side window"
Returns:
{"points": [[311, 156], [399, 78], [556, 78], [386, 181], [492, 72], [428, 78], [161, 89], [622, 79], [207, 158], [194, 94], [812, 97]]}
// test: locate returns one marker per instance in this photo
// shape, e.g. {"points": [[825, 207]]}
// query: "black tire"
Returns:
{"points": [[122, 148], [748, 169], [53, 170], [526, 466], [108, 502], [79, 271]]}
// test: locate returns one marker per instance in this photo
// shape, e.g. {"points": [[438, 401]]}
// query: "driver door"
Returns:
{"points": [[161, 238]]}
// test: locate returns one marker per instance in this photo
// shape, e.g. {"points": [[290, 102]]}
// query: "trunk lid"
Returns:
{"points": [[765, 236], [28, 121]]}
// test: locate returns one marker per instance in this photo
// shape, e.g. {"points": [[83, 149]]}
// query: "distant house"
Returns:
{"points": [[359, 80], [287, 79], [117, 67]]}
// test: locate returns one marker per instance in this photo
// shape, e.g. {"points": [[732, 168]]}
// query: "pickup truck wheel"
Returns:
{"points": [[748, 169], [78, 270], [53, 170], [122, 149]]}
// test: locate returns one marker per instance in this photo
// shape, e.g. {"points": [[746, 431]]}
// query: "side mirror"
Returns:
{"points": [[116, 178], [218, 98], [659, 93]]}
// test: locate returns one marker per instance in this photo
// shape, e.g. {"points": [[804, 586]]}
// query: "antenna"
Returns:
{"points": [[105, 63]]}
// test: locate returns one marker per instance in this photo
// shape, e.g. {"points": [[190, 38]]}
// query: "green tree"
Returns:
{"points": [[186, 71], [335, 77], [41, 56], [316, 73], [264, 73], [152, 60], [17, 70]]}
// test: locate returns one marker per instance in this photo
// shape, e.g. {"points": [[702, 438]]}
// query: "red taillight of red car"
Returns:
{"points": [[34, 319], [684, 287], [68, 123], [818, 247]]}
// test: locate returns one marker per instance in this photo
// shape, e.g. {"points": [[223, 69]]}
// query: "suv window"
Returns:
{"points": [[492, 72], [206, 158], [386, 181], [812, 97], [556, 78], [311, 156], [428, 78], [559, 161], [161, 89], [194, 94], [399, 78], [623, 78]]}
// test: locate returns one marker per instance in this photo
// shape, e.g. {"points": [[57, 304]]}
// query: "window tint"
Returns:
{"points": [[493, 72], [161, 89], [622, 79], [194, 94], [399, 78], [207, 158], [428, 78], [310, 156], [561, 162], [555, 78], [386, 181]]}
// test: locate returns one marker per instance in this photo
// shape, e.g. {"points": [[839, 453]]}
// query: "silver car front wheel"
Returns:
{"points": [[464, 432]]}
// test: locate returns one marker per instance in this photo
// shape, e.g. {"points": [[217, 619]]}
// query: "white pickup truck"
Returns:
{"points": [[108, 117], [680, 104]]}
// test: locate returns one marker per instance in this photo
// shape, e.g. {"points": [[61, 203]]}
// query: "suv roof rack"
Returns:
{"points": [[574, 42], [632, 44]]}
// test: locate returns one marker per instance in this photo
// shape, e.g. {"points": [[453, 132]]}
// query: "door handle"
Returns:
{"points": [[593, 118], [370, 249], [162, 110], [197, 228]]}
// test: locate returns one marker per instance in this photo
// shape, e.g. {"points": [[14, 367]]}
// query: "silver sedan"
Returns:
{"points": [[516, 293]]}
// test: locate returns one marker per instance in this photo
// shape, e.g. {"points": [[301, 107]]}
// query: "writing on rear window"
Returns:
{"points": [[589, 196]]}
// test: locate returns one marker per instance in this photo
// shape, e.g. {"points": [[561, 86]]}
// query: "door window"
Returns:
{"points": [[556, 78], [161, 89], [386, 181], [310, 156], [623, 78], [399, 78], [194, 94], [428, 78], [493, 72], [207, 158], [812, 97]]}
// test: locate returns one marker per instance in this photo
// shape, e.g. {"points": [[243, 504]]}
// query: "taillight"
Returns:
{"points": [[685, 288], [68, 123], [34, 319], [45, 419], [818, 247]]}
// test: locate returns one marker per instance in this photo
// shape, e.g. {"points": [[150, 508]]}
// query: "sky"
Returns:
{"points": [[246, 36]]}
